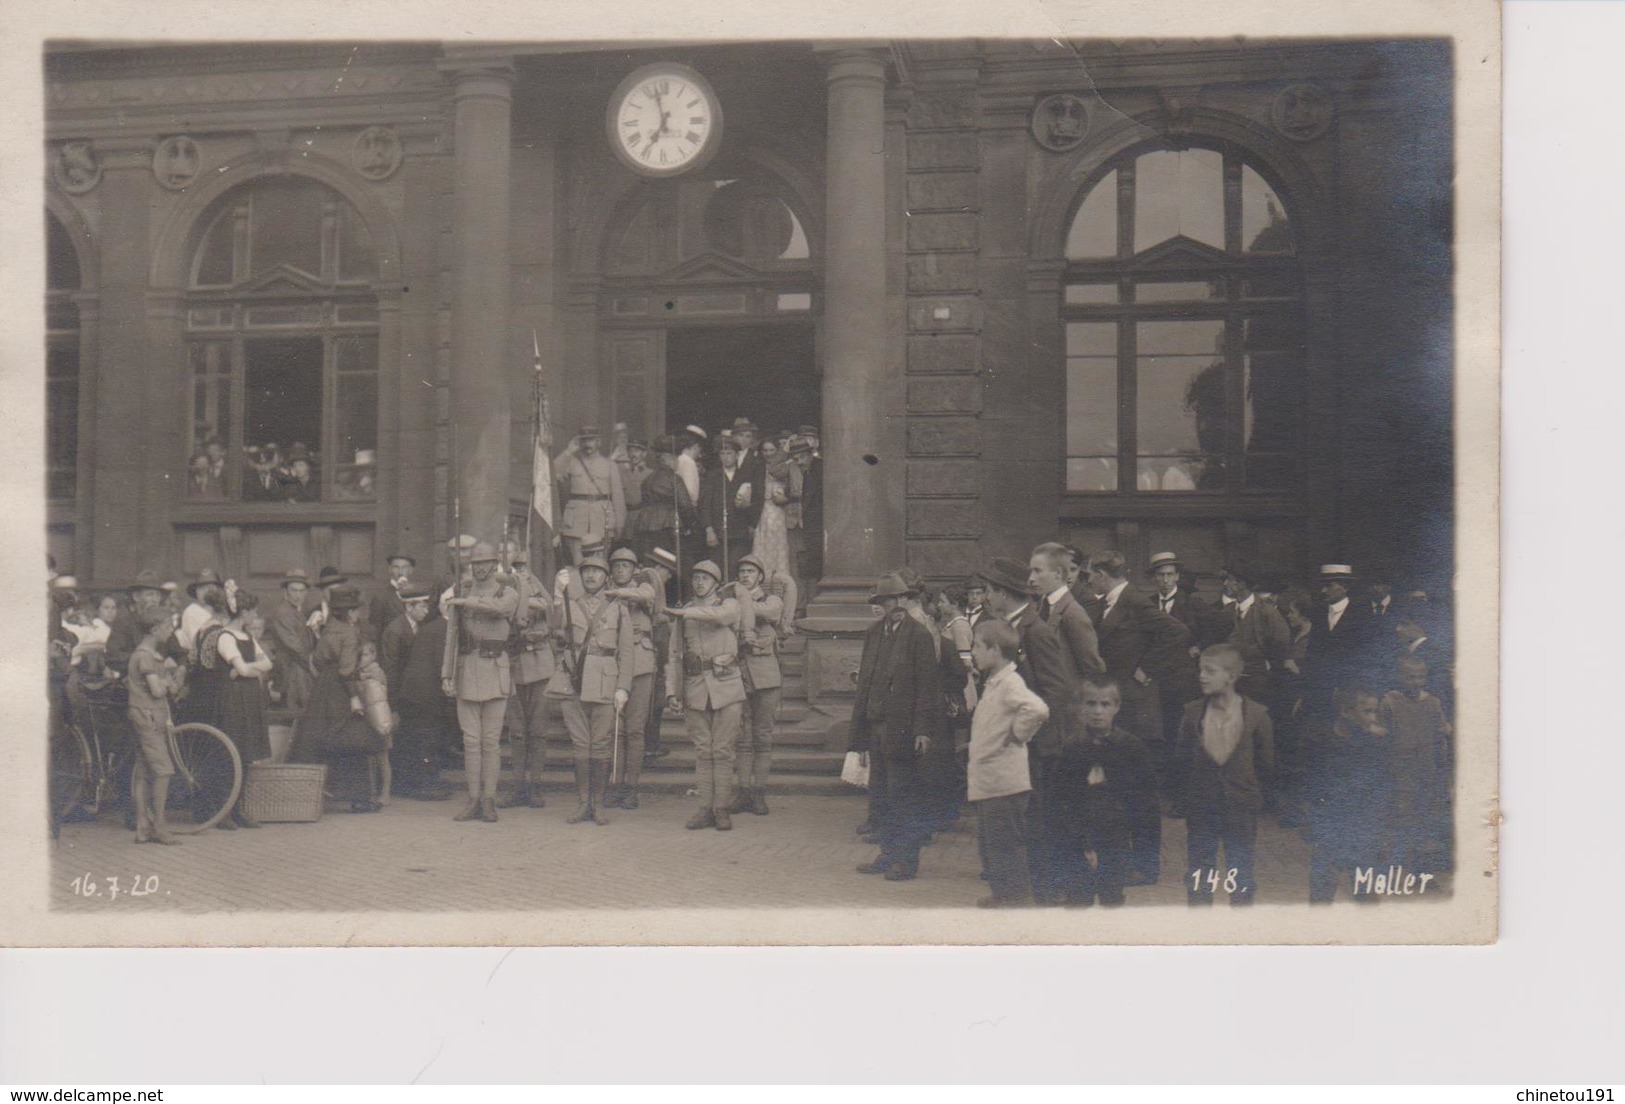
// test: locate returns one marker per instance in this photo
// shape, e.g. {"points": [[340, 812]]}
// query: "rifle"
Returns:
{"points": [[454, 626]]}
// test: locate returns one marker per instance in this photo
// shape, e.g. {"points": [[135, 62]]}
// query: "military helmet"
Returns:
{"points": [[625, 555], [482, 552]]}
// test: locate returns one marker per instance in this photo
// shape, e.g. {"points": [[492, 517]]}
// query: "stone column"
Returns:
{"points": [[862, 476], [482, 95]]}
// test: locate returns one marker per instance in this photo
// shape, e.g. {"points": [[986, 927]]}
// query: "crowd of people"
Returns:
{"points": [[1073, 709]]}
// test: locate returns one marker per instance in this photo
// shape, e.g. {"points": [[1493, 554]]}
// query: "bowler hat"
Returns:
{"points": [[344, 598], [1162, 559], [661, 558], [745, 425], [1336, 573], [708, 568], [593, 560], [145, 580], [393, 556], [1007, 574], [800, 446], [296, 575], [207, 577], [890, 585], [330, 576]]}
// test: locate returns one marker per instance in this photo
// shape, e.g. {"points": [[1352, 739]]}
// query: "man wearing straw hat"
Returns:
{"points": [[703, 680], [1339, 647], [474, 669]]}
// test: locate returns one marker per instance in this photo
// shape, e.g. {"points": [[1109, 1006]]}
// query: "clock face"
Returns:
{"points": [[664, 119]]}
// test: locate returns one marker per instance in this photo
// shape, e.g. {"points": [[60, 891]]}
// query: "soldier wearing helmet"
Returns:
{"points": [[592, 680], [475, 670], [703, 680], [643, 598], [760, 612], [531, 662]]}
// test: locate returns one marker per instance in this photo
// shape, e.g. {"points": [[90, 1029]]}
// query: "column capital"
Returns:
{"points": [[477, 74], [848, 61]]}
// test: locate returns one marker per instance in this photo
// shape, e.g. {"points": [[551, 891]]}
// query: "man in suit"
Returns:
{"points": [[730, 505], [811, 559], [898, 709], [1341, 646], [1175, 671], [1260, 633], [1058, 608], [386, 605], [1133, 633], [292, 642], [410, 655], [1076, 581], [1046, 669]]}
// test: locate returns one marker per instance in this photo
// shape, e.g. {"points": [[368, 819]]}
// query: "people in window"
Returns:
{"points": [[360, 481], [206, 470], [299, 476]]}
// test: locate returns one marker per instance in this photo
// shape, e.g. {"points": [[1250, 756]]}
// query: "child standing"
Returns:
{"points": [[1007, 714], [1348, 784], [1226, 748], [1102, 771], [374, 692], [153, 681], [1420, 757]]}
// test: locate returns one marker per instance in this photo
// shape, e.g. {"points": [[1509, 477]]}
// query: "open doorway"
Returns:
{"points": [[715, 374]]}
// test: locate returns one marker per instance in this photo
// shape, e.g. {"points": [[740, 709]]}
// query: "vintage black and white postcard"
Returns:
{"points": [[756, 481]]}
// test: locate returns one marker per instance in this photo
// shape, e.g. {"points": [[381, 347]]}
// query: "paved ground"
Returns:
{"points": [[412, 856]]}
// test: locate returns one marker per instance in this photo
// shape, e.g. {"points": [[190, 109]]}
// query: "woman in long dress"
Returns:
{"points": [[334, 728], [240, 695]]}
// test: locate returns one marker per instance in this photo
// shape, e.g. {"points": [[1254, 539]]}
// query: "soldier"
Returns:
{"points": [[644, 598], [532, 664], [592, 680], [760, 612], [594, 500], [475, 671], [662, 569], [706, 645]]}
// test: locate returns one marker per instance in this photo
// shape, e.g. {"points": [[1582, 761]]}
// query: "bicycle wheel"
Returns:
{"points": [[73, 772], [208, 777]]}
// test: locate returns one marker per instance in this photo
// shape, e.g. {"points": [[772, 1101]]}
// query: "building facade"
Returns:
{"points": [[1144, 295]]}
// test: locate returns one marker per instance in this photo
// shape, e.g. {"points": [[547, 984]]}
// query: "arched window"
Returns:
{"points": [[62, 280], [1184, 330], [282, 328]]}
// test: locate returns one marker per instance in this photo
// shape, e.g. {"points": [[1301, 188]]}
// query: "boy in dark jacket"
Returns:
{"points": [[1103, 772], [1348, 790], [1226, 749]]}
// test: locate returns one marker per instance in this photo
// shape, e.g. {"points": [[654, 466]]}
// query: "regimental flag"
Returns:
{"points": [[541, 471]]}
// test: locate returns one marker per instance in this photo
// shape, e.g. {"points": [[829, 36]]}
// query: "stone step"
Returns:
{"points": [[673, 775]]}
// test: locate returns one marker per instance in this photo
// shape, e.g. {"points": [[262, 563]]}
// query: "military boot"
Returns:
{"points": [[758, 801], [471, 811], [722, 821], [740, 802], [488, 810], [600, 785], [519, 796], [583, 795], [704, 818]]}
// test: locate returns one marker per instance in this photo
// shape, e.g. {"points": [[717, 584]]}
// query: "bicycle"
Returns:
{"points": [[86, 771]]}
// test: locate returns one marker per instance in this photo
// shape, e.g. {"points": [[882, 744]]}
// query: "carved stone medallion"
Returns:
{"points": [[1060, 122], [1302, 112], [76, 168], [176, 162], [376, 153]]}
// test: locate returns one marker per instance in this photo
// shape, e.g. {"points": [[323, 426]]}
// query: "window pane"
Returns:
{"points": [[1180, 406], [1179, 193], [1264, 226], [211, 443], [1183, 292], [1091, 293], [1273, 417], [215, 258], [1093, 234], [1091, 473], [798, 249], [287, 227], [1091, 406], [356, 259], [1091, 339], [282, 404], [357, 353], [61, 419]]}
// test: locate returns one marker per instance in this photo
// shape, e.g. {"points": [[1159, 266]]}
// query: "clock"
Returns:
{"points": [[664, 119]]}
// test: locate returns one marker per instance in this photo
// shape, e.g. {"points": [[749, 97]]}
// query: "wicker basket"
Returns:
{"points": [[282, 792]]}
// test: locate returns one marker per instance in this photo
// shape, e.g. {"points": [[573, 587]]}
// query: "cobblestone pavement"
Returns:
{"points": [[412, 856]]}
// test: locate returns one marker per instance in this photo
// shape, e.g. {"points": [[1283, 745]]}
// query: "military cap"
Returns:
{"points": [[587, 431]]}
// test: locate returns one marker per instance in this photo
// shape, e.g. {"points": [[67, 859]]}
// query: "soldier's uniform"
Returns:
{"points": [[532, 664], [705, 668], [595, 640], [594, 500], [476, 663], [644, 600], [760, 612]]}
